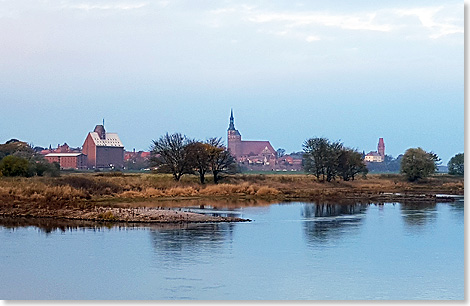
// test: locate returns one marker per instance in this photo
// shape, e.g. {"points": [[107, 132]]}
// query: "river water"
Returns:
{"points": [[289, 251]]}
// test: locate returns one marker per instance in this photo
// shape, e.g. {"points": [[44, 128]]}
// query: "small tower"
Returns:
{"points": [[234, 139], [381, 148], [101, 131]]}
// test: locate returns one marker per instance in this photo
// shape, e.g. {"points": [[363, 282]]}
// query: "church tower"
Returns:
{"points": [[381, 148], [234, 139]]}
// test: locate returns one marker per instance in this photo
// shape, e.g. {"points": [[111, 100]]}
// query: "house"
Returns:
{"points": [[104, 150], [373, 157], [376, 156]]}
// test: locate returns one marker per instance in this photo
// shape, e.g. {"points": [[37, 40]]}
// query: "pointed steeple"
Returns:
{"points": [[231, 126]]}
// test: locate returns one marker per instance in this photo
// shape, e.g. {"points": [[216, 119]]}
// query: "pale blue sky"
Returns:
{"points": [[348, 70]]}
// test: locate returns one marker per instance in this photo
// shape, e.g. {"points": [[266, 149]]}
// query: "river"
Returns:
{"points": [[289, 251]]}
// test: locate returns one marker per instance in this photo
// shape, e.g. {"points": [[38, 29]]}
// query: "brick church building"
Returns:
{"points": [[250, 152]]}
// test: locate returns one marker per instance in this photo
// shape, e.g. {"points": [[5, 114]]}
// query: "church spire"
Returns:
{"points": [[231, 126]]}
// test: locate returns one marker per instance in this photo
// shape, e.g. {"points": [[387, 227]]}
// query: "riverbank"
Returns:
{"points": [[147, 197], [113, 214]]}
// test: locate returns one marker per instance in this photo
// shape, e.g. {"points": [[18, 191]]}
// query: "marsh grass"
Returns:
{"points": [[79, 188]]}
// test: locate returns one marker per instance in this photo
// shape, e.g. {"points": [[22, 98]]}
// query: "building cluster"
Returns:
{"points": [[258, 155], [261, 156], [101, 150], [104, 150], [376, 156]]}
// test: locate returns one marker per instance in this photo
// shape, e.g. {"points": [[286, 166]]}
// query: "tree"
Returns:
{"points": [[321, 158], [315, 150], [12, 165], [456, 165], [332, 160], [41, 167], [199, 155], [350, 163], [280, 152], [16, 147], [417, 164], [37, 164], [221, 160], [170, 154]]}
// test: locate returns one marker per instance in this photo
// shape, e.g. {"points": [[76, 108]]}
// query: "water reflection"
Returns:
{"points": [[326, 222], [418, 213], [176, 243], [49, 225]]}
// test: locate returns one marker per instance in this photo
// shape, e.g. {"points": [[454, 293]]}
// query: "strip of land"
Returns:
{"points": [[152, 198]]}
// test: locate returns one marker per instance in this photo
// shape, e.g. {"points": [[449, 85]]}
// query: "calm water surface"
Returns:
{"points": [[289, 251]]}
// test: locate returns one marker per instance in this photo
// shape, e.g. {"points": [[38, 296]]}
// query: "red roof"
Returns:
{"points": [[373, 153], [256, 147]]}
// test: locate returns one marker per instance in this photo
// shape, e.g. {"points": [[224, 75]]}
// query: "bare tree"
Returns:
{"points": [[221, 161], [170, 154], [200, 158]]}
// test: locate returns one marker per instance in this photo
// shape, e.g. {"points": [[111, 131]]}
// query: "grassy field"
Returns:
{"points": [[92, 188]]}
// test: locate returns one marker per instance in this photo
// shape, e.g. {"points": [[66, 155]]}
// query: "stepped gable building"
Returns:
{"points": [[253, 152], [104, 150]]}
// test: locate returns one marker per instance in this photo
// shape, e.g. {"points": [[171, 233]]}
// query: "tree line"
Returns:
{"points": [[17, 158], [177, 154], [328, 160]]}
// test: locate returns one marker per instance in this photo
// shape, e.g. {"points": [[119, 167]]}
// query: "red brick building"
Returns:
{"points": [[258, 152], [104, 150], [68, 160], [259, 155]]}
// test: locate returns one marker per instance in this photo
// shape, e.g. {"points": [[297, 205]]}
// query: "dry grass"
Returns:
{"points": [[89, 188]]}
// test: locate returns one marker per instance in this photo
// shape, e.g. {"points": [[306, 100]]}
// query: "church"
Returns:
{"points": [[249, 152]]}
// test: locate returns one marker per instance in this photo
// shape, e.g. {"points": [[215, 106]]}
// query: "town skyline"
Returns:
{"points": [[290, 70], [225, 140]]}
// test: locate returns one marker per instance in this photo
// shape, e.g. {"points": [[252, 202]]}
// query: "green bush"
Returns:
{"points": [[417, 164], [456, 164], [12, 165]]}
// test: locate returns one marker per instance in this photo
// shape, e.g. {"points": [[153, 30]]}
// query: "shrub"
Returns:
{"points": [[456, 164], [12, 165], [266, 191], [417, 164]]}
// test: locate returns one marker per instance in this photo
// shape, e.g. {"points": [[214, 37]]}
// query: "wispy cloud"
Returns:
{"points": [[308, 25], [350, 22], [438, 26]]}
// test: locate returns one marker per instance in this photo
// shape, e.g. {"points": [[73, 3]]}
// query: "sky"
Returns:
{"points": [[352, 71]]}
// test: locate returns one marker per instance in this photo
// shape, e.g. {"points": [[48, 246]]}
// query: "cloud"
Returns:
{"points": [[438, 26], [437, 21], [349, 22]]}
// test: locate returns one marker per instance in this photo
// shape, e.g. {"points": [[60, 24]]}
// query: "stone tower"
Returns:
{"points": [[381, 148], [234, 139]]}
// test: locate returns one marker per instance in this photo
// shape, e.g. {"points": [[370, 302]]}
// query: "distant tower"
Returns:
{"points": [[101, 131], [381, 148], [234, 139]]}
